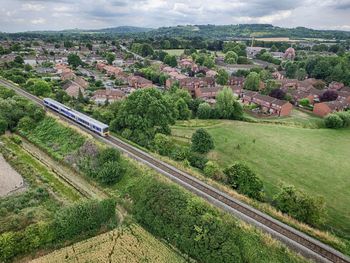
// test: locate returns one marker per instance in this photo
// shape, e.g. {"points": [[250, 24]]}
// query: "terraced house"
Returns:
{"points": [[267, 104]]}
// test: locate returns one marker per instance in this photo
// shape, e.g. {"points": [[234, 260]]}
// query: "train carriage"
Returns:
{"points": [[84, 120]]}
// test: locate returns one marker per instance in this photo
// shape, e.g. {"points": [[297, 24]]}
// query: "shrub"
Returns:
{"points": [[345, 116], [213, 170], [108, 155], [163, 144], [111, 172], [304, 102], [333, 121], [299, 205], [197, 160], [202, 141], [83, 217], [26, 124], [179, 153], [204, 111], [242, 178]]}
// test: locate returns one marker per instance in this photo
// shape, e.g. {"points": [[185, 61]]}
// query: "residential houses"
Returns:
{"points": [[192, 83], [267, 104], [138, 82], [324, 108], [110, 95]]}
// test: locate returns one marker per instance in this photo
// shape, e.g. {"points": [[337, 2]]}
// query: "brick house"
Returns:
{"points": [[206, 92], [138, 82], [324, 108], [110, 95], [68, 75], [267, 104], [236, 81], [72, 89], [191, 84]]}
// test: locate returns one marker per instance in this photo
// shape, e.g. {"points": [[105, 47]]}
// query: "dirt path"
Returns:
{"points": [[10, 180], [68, 175]]}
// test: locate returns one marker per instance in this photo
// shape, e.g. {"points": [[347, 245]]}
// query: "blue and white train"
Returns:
{"points": [[86, 121]]}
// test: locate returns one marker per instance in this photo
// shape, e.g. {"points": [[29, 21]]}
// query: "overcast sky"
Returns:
{"points": [[23, 15]]}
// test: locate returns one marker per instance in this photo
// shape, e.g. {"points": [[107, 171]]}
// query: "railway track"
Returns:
{"points": [[295, 239]]}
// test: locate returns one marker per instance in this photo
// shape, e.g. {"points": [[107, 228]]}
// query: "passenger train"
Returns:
{"points": [[86, 121]]}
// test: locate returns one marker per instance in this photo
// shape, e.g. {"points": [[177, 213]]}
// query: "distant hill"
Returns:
{"points": [[245, 30], [123, 30]]}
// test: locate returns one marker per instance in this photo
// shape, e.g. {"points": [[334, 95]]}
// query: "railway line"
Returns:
{"points": [[293, 238]]}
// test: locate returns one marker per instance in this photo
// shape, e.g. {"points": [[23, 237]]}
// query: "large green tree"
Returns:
{"points": [[222, 77], [231, 57], [41, 88], [227, 106], [202, 142], [252, 81], [144, 113], [74, 60], [110, 57]]}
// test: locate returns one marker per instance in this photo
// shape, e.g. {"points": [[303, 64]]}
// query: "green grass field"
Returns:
{"points": [[174, 52], [314, 160]]}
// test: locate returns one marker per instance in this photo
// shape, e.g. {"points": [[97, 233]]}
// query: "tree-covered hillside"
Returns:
{"points": [[246, 30]]}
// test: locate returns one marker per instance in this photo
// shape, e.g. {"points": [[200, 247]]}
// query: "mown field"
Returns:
{"points": [[124, 244], [175, 52], [313, 160]]}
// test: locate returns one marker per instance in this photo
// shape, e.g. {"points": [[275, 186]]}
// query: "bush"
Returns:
{"points": [[242, 178], [179, 153], [204, 111], [202, 141], [26, 124], [163, 144], [197, 160], [299, 205], [213, 170], [83, 217], [304, 102], [111, 172], [333, 121], [345, 116]]}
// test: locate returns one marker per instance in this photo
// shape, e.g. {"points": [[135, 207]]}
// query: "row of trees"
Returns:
{"points": [[328, 68]]}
